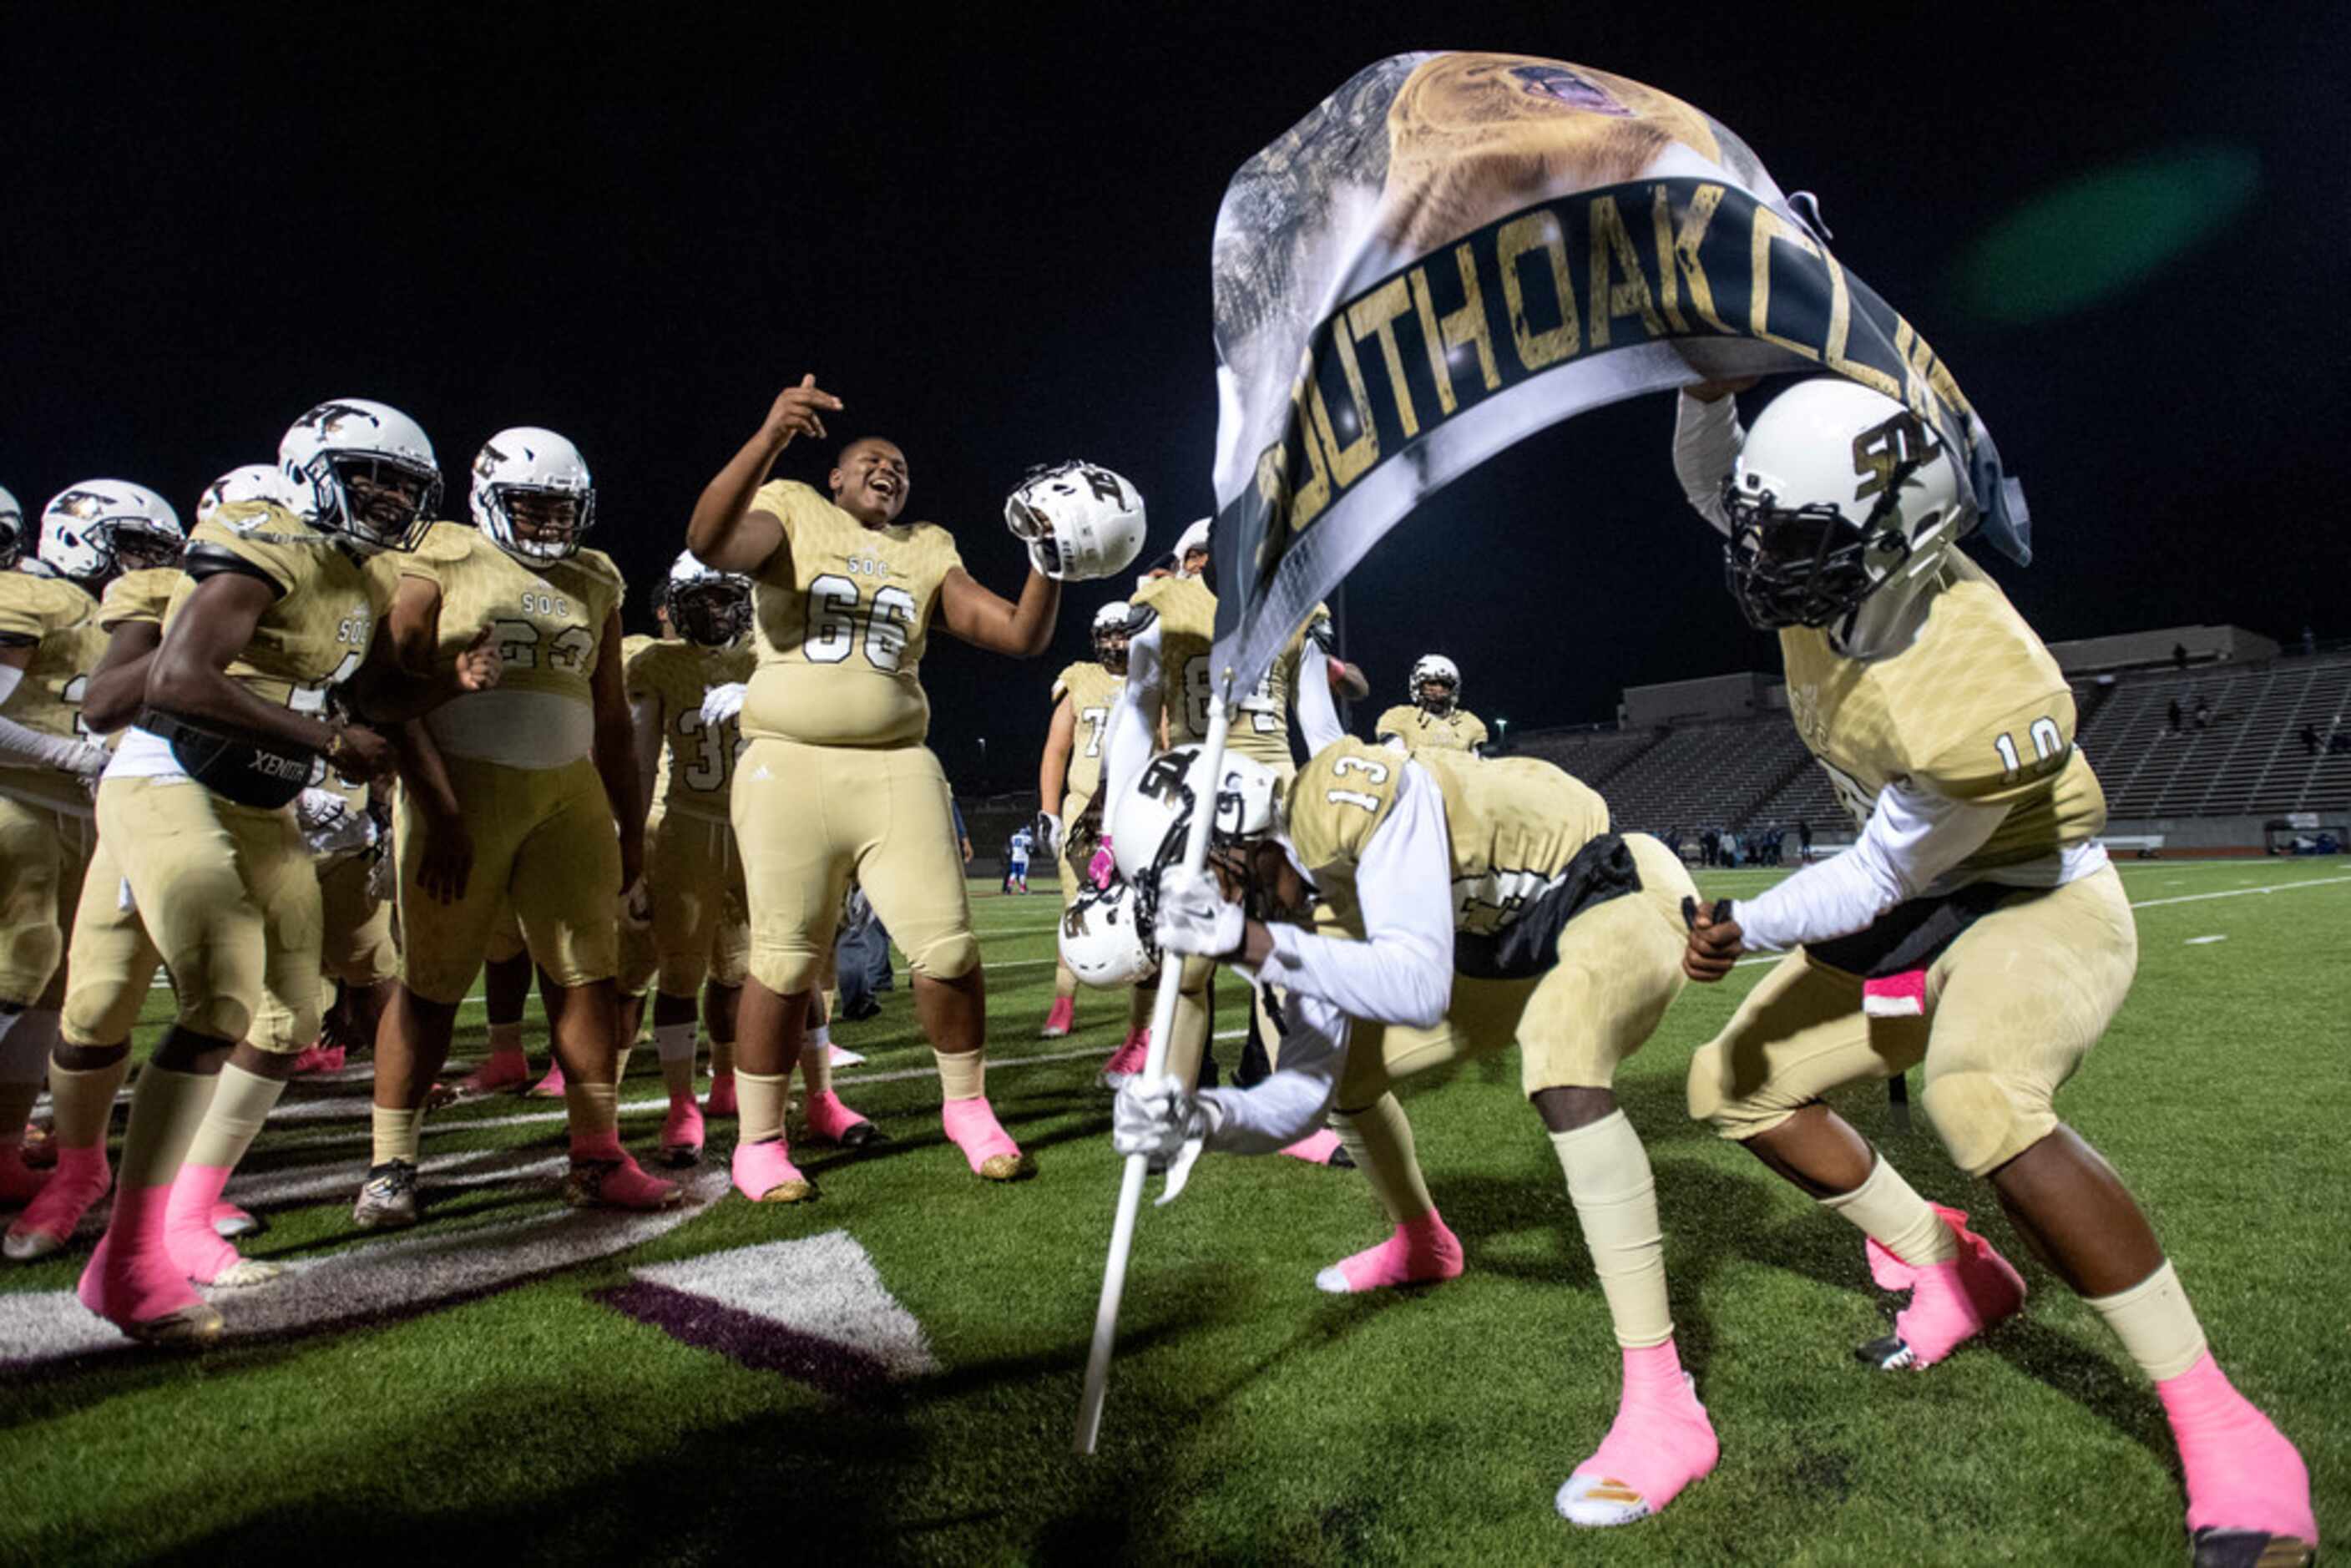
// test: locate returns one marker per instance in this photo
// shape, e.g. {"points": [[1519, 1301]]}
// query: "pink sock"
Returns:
{"points": [[1422, 1250], [972, 1124], [131, 1278], [80, 1179], [621, 1183], [195, 1247], [1661, 1440], [2242, 1474]]}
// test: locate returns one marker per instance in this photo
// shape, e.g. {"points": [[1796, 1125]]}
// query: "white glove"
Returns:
{"points": [[720, 703], [1049, 834], [1166, 1122], [383, 877], [1195, 917], [329, 822]]}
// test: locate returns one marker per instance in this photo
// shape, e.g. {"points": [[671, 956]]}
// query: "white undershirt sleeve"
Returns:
{"points": [[1403, 971], [1318, 715], [1707, 439], [1292, 1102], [22, 746], [1130, 738], [1913, 837]]}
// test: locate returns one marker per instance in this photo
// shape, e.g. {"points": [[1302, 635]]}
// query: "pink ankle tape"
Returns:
{"points": [[828, 1117], [1661, 1440], [973, 1128], [1422, 1250], [1315, 1148], [80, 1179], [603, 1146], [1952, 1302], [131, 1277], [196, 1249], [2242, 1473]]}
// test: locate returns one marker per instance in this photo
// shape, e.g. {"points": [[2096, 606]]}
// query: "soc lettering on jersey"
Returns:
{"points": [[547, 618], [842, 615]]}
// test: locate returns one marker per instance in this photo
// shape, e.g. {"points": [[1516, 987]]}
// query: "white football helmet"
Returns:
{"points": [[1080, 520], [1106, 939], [12, 531], [363, 470], [1195, 538], [247, 482], [100, 529], [1436, 667], [1110, 635], [1838, 491], [528, 462], [708, 606], [1147, 824]]}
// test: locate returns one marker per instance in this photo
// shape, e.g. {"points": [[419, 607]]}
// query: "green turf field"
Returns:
{"points": [[452, 1407]]}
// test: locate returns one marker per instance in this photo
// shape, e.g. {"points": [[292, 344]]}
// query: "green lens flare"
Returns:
{"points": [[2100, 233]]}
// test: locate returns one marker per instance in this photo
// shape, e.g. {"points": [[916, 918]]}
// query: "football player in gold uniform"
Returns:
{"points": [[509, 798], [273, 614], [1975, 930], [1068, 780], [50, 640], [836, 779], [697, 946], [1472, 906], [1433, 720], [1166, 701]]}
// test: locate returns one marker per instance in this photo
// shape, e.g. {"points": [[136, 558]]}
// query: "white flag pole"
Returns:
{"points": [[1204, 773]]}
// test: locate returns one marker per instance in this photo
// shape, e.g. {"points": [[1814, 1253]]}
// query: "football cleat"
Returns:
{"points": [[503, 1071], [146, 1296], [764, 1173], [81, 1178], [680, 1137], [317, 1058], [387, 1199], [720, 1101], [229, 1222], [1423, 1251], [1660, 1442], [1127, 1060], [550, 1087], [618, 1183], [834, 1122], [1061, 1019], [990, 1150]]}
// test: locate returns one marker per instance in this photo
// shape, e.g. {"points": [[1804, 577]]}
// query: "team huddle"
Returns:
{"points": [[330, 733]]}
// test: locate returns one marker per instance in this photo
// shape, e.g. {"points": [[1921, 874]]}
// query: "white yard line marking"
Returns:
{"points": [[2202, 941], [2240, 892]]}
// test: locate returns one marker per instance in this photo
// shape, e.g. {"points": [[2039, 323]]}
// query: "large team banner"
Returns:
{"points": [[1455, 251]]}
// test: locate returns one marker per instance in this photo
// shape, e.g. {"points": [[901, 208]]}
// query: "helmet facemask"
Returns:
{"points": [[137, 546], [374, 498], [538, 522], [713, 612], [1110, 648], [1809, 565]]}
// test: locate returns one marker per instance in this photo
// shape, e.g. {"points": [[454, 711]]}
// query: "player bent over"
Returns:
{"points": [[836, 780], [1974, 929], [1557, 935]]}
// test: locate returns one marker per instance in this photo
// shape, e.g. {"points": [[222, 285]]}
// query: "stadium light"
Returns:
{"points": [[1502, 737]]}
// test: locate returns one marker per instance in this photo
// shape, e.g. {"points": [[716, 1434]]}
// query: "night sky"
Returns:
{"points": [[634, 226]]}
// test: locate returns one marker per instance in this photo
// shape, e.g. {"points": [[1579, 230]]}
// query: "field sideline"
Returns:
{"points": [[891, 1372]]}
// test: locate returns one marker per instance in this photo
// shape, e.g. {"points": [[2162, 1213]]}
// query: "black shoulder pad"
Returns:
{"points": [[205, 559]]}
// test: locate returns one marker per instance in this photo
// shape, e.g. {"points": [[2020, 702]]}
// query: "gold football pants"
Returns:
{"points": [[701, 924], [808, 817], [2013, 1007], [42, 856]]}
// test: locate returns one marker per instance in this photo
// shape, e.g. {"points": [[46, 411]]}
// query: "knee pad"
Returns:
{"points": [[1703, 1086], [1982, 1120], [1735, 1117], [787, 972], [951, 957]]}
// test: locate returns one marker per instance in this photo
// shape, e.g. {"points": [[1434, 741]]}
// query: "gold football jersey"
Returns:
{"points": [[549, 616], [1974, 709], [315, 635], [844, 613], [1092, 692], [1514, 823], [138, 596], [1188, 623], [1421, 730], [697, 762], [61, 622]]}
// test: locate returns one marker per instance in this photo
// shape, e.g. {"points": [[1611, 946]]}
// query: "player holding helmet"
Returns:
{"points": [[1069, 779], [836, 779]]}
